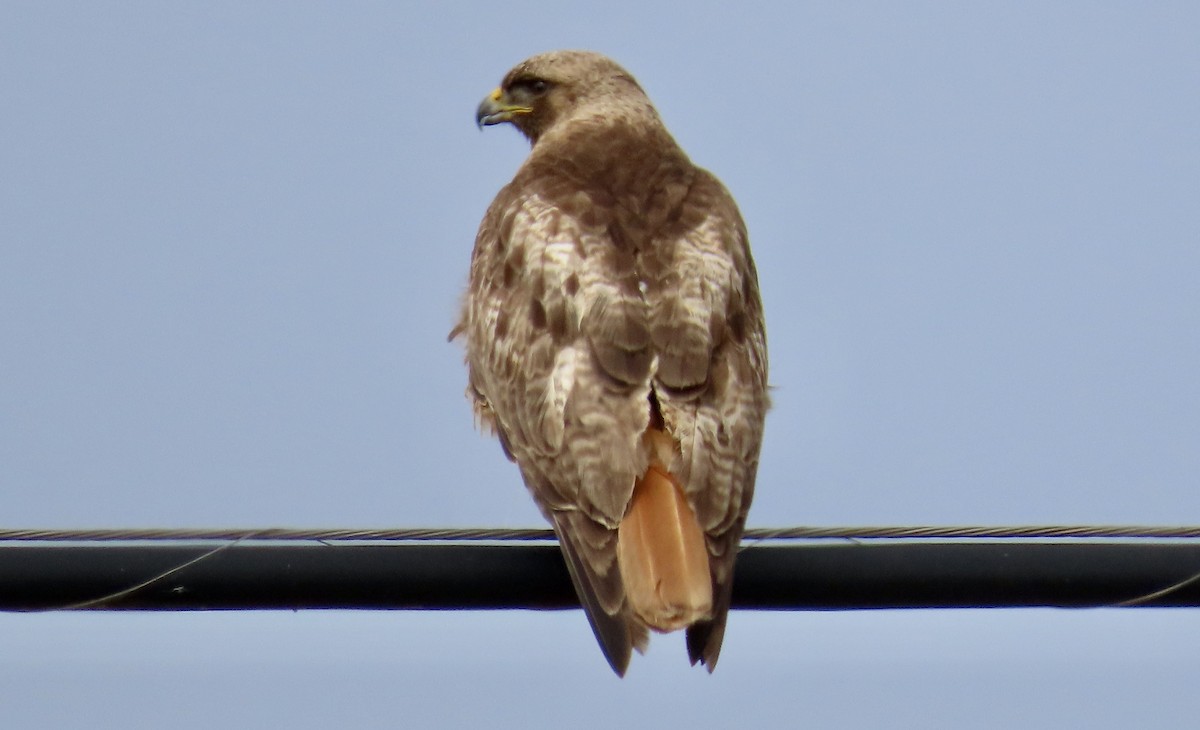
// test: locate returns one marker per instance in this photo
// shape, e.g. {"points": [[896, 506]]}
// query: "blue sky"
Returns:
{"points": [[232, 242]]}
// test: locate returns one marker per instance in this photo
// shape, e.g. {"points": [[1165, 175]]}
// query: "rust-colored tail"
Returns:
{"points": [[662, 555]]}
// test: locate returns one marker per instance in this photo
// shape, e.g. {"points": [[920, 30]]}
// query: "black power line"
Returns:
{"points": [[815, 575]]}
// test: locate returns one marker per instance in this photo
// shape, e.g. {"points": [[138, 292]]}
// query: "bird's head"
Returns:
{"points": [[548, 87]]}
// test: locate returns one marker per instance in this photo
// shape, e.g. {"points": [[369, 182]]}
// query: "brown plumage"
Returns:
{"points": [[615, 343]]}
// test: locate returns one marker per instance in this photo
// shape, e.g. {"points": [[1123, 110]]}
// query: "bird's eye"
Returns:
{"points": [[533, 86]]}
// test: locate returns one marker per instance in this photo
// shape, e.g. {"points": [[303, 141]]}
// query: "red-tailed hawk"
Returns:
{"points": [[615, 342]]}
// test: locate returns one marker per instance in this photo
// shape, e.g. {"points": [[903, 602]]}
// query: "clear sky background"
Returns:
{"points": [[232, 242]]}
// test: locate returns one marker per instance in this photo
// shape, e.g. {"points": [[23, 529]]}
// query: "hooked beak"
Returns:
{"points": [[494, 110]]}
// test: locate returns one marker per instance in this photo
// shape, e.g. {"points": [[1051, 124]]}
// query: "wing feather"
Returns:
{"points": [[558, 354], [711, 382]]}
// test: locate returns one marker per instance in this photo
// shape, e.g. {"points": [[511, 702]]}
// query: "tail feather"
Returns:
{"points": [[662, 555], [655, 571]]}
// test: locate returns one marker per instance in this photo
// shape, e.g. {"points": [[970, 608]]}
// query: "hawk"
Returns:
{"points": [[615, 344]]}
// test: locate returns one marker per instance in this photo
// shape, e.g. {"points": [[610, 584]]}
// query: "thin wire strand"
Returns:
{"points": [[1159, 593], [115, 595], [1035, 532]]}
